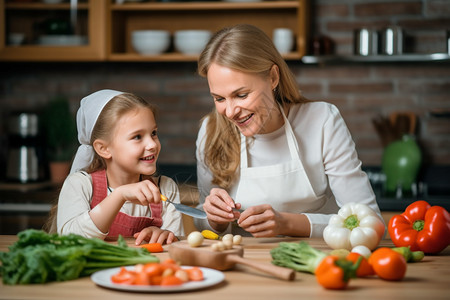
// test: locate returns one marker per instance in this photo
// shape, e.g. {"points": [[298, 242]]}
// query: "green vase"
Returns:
{"points": [[401, 164]]}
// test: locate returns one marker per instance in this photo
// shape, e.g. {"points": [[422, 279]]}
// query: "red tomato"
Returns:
{"points": [[388, 264]]}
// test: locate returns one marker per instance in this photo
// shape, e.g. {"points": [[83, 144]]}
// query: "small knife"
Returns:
{"points": [[187, 210]]}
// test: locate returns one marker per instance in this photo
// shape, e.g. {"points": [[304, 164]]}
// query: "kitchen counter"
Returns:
{"points": [[429, 279]]}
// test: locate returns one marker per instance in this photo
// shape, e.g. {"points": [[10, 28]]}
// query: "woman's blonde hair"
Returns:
{"points": [[103, 129], [248, 49]]}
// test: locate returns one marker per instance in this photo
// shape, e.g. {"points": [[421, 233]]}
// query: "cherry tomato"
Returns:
{"points": [[388, 264]]}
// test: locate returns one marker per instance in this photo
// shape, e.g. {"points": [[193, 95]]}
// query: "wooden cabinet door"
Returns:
{"points": [[25, 17]]}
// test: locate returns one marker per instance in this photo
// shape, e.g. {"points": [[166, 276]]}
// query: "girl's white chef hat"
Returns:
{"points": [[90, 108]]}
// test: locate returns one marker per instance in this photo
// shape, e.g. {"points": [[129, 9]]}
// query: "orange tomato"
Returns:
{"points": [[330, 275], [364, 269], [388, 264]]}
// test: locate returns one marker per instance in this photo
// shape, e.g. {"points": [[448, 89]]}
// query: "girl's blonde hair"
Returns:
{"points": [[248, 49], [103, 129]]}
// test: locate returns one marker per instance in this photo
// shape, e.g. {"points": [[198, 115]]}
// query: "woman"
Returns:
{"points": [[269, 162]]}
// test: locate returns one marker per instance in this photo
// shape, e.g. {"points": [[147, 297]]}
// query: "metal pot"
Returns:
{"points": [[392, 40], [366, 42]]}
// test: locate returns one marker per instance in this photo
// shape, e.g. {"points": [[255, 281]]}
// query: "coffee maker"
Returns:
{"points": [[25, 155]]}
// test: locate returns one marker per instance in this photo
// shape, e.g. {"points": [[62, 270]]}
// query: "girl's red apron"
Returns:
{"points": [[123, 224]]}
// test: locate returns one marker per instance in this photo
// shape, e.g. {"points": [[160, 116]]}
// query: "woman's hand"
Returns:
{"points": [[219, 208], [262, 221], [143, 192], [154, 234]]}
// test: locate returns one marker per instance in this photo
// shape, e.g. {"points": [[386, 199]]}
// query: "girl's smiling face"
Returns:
{"points": [[135, 146], [246, 99]]}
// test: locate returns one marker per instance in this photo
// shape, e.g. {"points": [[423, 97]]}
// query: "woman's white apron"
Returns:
{"points": [[284, 186]]}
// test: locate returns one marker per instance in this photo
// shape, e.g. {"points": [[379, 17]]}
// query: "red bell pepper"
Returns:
{"points": [[421, 227]]}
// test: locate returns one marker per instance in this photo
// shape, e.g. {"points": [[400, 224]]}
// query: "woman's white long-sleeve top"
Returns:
{"points": [[328, 155]]}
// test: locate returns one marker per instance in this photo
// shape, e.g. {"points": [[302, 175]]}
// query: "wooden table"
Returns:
{"points": [[429, 279]]}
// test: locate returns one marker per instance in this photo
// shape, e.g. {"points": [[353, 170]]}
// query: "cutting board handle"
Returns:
{"points": [[279, 272]]}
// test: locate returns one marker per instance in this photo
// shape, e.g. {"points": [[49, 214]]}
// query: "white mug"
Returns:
{"points": [[283, 39]]}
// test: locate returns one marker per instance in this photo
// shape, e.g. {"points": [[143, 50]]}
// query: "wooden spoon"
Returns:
{"points": [[204, 256]]}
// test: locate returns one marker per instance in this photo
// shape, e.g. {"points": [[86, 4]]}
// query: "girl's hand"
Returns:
{"points": [[219, 208], [154, 234], [261, 221], [143, 192]]}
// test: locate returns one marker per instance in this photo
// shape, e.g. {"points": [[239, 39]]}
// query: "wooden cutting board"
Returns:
{"points": [[204, 256]]}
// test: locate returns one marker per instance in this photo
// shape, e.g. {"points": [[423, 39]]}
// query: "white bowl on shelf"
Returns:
{"points": [[16, 38], [191, 42], [150, 42]]}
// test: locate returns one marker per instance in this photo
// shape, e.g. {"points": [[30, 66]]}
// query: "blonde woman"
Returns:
{"points": [[269, 162]]}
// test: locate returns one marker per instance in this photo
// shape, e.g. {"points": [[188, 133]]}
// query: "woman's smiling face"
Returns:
{"points": [[246, 99]]}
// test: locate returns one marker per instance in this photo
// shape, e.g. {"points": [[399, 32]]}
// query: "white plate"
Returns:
{"points": [[211, 277], [62, 40]]}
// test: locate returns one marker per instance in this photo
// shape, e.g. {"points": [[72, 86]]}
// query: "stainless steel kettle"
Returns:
{"points": [[25, 155]]}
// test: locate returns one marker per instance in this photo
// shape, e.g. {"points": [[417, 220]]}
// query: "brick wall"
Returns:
{"points": [[361, 91]]}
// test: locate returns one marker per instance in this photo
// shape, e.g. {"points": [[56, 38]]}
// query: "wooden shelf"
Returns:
{"points": [[212, 5], [42, 6], [267, 15], [172, 57], [108, 26], [333, 59]]}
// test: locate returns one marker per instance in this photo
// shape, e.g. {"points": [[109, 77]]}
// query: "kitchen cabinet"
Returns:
{"points": [[108, 26], [24, 206], [34, 19], [214, 15]]}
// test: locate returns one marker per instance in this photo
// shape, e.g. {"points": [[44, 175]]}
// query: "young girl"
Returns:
{"points": [[111, 190]]}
